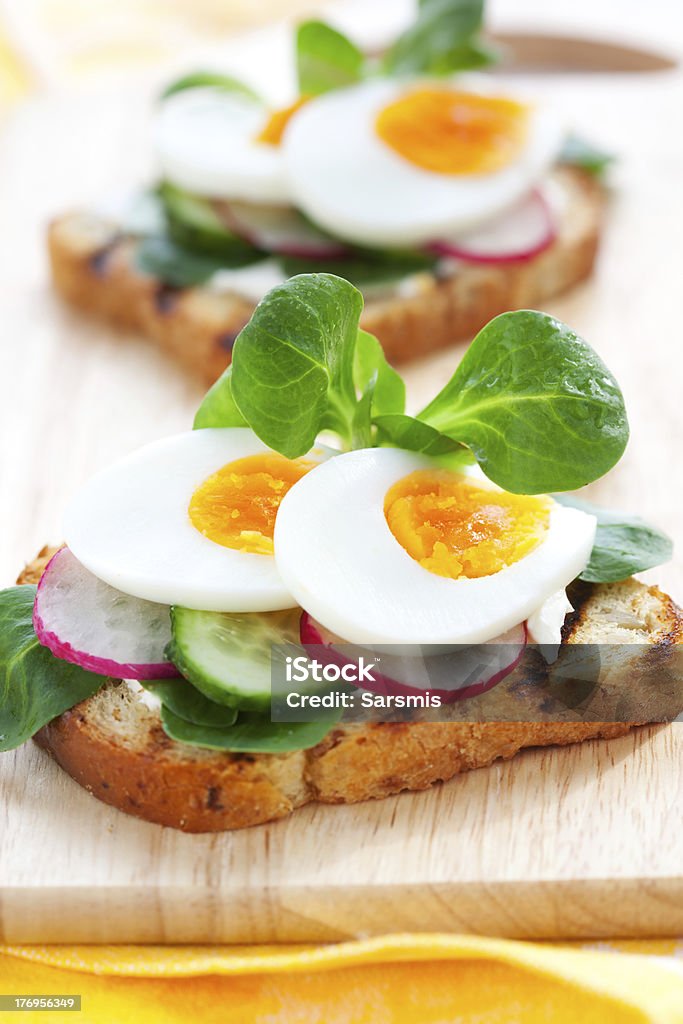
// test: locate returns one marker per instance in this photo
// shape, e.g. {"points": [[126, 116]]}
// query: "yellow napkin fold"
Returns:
{"points": [[390, 980]]}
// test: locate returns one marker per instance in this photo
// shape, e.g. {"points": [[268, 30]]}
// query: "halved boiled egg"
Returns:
{"points": [[223, 145], [384, 546], [189, 520], [387, 163]]}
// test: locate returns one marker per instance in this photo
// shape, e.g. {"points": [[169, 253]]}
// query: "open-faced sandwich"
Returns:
{"points": [[441, 194], [307, 509]]}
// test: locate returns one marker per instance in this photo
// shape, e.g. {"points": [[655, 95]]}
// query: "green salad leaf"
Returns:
{"points": [[182, 699], [361, 423], [251, 733], [530, 401], [202, 79], [176, 265], [218, 408], [35, 686], [580, 153], [370, 365], [444, 38], [535, 404], [292, 365], [380, 387], [624, 544], [325, 59], [414, 435], [364, 268]]}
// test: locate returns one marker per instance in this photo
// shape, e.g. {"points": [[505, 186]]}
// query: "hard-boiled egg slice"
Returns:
{"points": [[223, 145], [189, 520], [396, 164], [383, 546]]}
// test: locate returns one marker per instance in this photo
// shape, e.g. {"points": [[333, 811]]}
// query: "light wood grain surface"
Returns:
{"points": [[576, 842]]}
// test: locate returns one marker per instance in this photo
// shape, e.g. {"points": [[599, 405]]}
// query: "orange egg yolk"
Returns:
{"points": [[274, 129], [453, 132], [457, 529], [237, 506]]}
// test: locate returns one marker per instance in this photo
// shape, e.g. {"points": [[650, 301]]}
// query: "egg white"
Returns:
{"points": [[130, 526], [353, 184], [339, 559], [205, 143]]}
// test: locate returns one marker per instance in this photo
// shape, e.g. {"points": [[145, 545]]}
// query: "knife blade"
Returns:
{"points": [[561, 54]]}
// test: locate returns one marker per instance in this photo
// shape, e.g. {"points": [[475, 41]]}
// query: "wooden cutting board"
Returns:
{"points": [[576, 842]]}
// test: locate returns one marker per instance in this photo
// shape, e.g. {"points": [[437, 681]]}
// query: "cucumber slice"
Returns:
{"points": [[195, 225], [227, 656], [251, 734], [183, 700]]}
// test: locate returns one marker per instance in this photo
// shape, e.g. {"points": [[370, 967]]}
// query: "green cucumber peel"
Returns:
{"points": [[227, 656], [194, 225]]}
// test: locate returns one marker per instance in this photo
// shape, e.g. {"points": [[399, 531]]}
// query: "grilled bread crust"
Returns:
{"points": [[94, 269], [113, 743]]}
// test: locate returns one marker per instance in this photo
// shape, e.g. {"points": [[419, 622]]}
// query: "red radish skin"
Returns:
{"points": [[540, 227], [287, 234], [60, 564], [312, 634]]}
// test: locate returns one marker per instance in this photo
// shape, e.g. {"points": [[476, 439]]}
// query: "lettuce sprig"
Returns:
{"points": [[531, 401]]}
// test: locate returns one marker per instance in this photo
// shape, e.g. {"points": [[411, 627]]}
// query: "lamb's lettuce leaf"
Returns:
{"points": [[361, 423], [178, 266], [443, 39], [292, 365], [325, 59], [580, 153], [530, 401], [214, 79], [185, 701], [251, 733], [407, 432], [35, 686], [535, 404], [624, 544], [370, 364], [218, 408]]}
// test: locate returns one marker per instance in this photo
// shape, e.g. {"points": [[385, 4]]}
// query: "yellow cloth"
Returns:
{"points": [[397, 979]]}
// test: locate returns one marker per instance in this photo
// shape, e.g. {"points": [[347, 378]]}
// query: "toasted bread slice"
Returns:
{"points": [[113, 743], [93, 267]]}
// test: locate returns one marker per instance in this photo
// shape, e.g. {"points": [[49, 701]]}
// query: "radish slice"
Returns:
{"points": [[280, 229], [87, 622], [454, 675], [526, 230]]}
